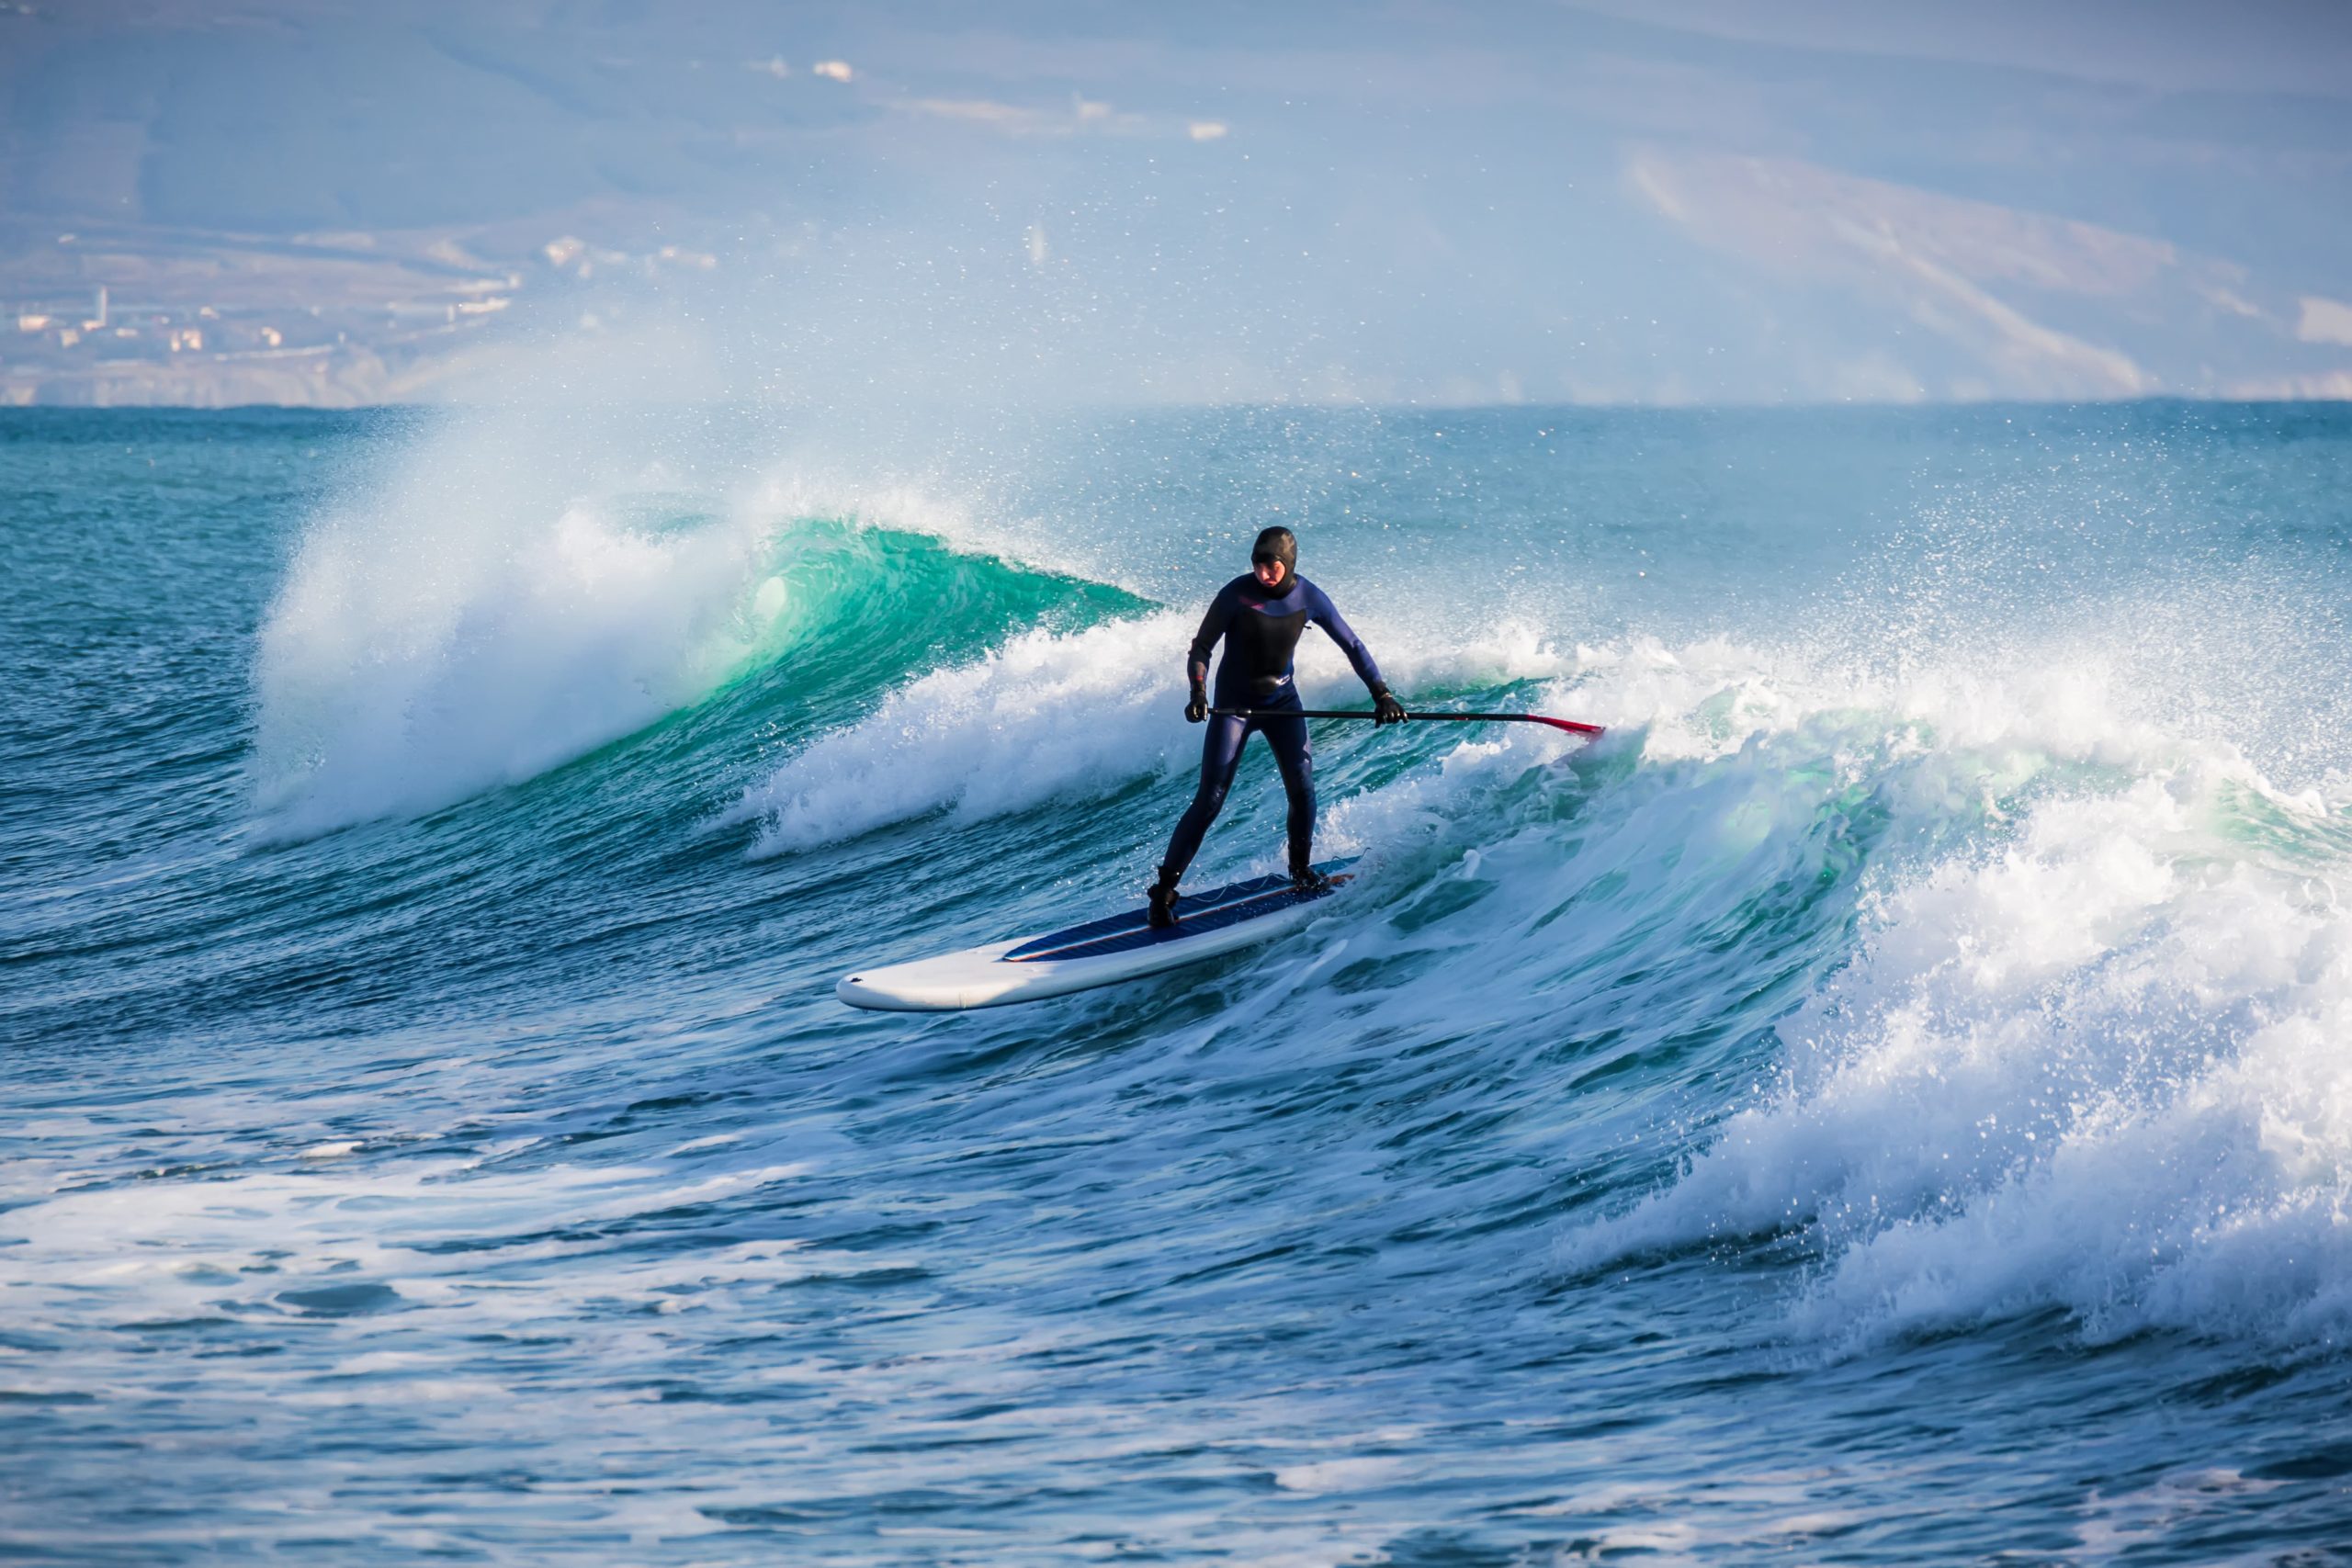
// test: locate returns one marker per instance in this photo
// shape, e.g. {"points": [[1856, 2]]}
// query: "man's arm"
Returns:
{"points": [[1324, 613], [1197, 662]]}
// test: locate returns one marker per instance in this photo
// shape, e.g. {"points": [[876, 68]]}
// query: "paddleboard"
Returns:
{"points": [[1099, 952]]}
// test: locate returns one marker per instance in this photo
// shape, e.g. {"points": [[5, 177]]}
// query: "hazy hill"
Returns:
{"points": [[1404, 200]]}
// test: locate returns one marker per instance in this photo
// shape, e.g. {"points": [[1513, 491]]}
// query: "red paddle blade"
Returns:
{"points": [[1568, 725]]}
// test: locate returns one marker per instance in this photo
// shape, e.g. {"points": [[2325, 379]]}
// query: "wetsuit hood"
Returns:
{"points": [[1277, 543]]}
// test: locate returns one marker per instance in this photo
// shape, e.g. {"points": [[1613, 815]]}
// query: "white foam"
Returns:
{"points": [[1353, 1474], [1045, 717], [1056, 716], [2092, 1059], [510, 595], [163, 1248], [2098, 1068], [481, 618]]}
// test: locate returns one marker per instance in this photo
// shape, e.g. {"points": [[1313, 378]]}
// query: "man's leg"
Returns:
{"points": [[1296, 758], [1220, 753]]}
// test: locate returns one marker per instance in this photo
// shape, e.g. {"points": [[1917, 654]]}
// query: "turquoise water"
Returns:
{"points": [[1888, 1101]]}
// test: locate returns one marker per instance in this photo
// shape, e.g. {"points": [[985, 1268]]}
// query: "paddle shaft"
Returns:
{"points": [[1571, 726]]}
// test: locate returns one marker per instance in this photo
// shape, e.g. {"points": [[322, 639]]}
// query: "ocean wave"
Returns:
{"points": [[2078, 1056], [2060, 991], [389, 691], [2090, 1063], [468, 625]]}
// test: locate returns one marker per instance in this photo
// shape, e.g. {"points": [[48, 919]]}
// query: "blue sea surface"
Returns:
{"points": [[1888, 1100]]}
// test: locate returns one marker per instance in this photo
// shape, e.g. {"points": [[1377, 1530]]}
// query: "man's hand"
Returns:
{"points": [[1385, 708], [1197, 710]]}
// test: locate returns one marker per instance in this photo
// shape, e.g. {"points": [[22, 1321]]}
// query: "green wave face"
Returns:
{"points": [[393, 682], [863, 608]]}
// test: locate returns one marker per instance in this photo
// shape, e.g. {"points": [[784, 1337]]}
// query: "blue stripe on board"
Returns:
{"points": [[1200, 913]]}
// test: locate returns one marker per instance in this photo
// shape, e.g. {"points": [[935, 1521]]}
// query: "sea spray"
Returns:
{"points": [[488, 613], [504, 597], [2091, 1064]]}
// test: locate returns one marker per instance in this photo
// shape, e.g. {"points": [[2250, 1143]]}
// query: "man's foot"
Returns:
{"points": [[1306, 879], [1162, 913]]}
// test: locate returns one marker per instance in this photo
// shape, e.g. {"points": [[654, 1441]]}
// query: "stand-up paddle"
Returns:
{"points": [[1416, 715]]}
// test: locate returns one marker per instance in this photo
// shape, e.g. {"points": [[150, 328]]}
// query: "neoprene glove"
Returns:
{"points": [[1197, 710], [1385, 708]]}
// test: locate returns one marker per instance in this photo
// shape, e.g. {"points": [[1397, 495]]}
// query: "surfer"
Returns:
{"points": [[1259, 618]]}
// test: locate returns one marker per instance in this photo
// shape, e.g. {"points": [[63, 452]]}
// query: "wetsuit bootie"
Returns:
{"points": [[1306, 879], [1162, 913]]}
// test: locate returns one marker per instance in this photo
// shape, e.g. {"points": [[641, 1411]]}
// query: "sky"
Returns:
{"points": [[1671, 202]]}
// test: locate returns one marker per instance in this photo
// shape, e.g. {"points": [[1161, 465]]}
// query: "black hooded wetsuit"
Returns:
{"points": [[1261, 629]]}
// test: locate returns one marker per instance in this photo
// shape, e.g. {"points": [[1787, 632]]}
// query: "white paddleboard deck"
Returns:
{"points": [[1099, 952]]}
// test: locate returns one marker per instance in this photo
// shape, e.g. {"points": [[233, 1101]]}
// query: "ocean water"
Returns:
{"points": [[1890, 1099]]}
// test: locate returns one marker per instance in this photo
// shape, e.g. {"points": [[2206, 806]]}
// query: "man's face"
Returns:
{"points": [[1269, 572]]}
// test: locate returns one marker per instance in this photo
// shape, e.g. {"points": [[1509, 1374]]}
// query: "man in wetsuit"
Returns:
{"points": [[1259, 618]]}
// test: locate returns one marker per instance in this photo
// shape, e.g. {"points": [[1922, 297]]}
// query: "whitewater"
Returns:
{"points": [[1888, 1100]]}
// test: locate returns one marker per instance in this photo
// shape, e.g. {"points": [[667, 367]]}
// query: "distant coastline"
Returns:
{"points": [[353, 387], [135, 315]]}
